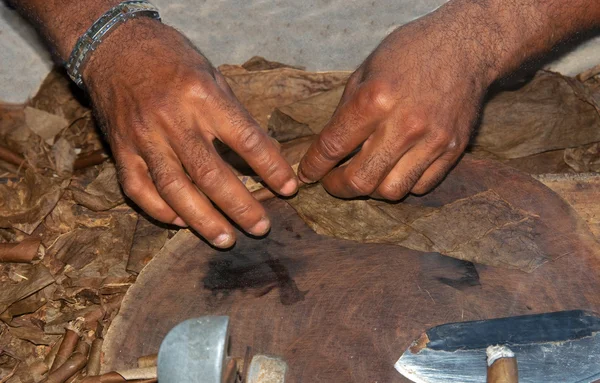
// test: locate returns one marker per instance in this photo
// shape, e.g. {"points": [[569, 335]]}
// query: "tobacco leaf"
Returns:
{"points": [[261, 92], [478, 220], [29, 304], [25, 204], [30, 279], [541, 163], [148, 239], [34, 335], [44, 124], [257, 63], [284, 128], [548, 113], [23, 350], [24, 142], [11, 117], [584, 159], [314, 112], [64, 157], [23, 251], [103, 193], [58, 95], [94, 256]]}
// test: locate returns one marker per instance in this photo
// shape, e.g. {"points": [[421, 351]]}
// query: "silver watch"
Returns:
{"points": [[88, 42]]}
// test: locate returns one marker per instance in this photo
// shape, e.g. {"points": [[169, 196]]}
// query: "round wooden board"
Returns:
{"points": [[338, 311]]}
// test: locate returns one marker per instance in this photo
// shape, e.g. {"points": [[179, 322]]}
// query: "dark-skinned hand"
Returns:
{"points": [[412, 105], [163, 105]]}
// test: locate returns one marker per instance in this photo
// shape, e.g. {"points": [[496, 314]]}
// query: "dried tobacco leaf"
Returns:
{"points": [[541, 163], [584, 159], [550, 112], [313, 112], [11, 117], [57, 95], [23, 251], [29, 304], [95, 256], [148, 239], [25, 204], [257, 63], [482, 213], [44, 124], [31, 278], [34, 335], [284, 128], [262, 92], [64, 157], [103, 193]]}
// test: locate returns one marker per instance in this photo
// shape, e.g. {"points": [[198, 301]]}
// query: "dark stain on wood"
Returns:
{"points": [[470, 277], [259, 273]]}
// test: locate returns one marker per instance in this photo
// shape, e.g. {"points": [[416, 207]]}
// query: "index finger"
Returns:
{"points": [[352, 123]]}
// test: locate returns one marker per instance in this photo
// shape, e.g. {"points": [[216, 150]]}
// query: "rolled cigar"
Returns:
{"points": [[502, 365], [93, 366], [148, 361], [22, 252], [66, 348], [69, 368]]}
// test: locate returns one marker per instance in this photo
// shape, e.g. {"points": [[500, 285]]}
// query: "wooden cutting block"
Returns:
{"points": [[340, 311]]}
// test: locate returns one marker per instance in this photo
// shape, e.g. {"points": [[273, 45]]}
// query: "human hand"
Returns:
{"points": [[412, 105], [162, 105]]}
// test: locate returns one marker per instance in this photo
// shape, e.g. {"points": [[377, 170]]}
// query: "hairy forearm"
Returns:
{"points": [[506, 33], [62, 22]]}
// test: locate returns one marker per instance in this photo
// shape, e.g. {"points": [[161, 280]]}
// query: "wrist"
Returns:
{"points": [[123, 50]]}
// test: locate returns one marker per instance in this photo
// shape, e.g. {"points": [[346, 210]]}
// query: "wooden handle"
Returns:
{"points": [[502, 365], [503, 371]]}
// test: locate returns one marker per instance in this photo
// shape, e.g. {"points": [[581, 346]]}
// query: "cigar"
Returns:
{"points": [[66, 348], [69, 368], [502, 365], [148, 361], [93, 366], [22, 252]]}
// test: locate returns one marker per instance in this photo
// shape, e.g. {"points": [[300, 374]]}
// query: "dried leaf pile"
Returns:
{"points": [[71, 244]]}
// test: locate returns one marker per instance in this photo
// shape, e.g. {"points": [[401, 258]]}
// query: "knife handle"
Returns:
{"points": [[502, 365]]}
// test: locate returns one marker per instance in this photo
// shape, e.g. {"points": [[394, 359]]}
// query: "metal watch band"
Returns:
{"points": [[88, 42]]}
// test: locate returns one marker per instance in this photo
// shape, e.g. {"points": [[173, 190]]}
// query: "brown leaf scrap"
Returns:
{"points": [[584, 159], [148, 239], [56, 96], [550, 112], [44, 124], [94, 256], [258, 63], [469, 217], [31, 278], [313, 112], [64, 157], [23, 251], [103, 193], [262, 92], [24, 205]]}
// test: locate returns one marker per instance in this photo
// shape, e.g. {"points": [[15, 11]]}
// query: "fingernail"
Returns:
{"points": [[303, 178], [261, 228], [179, 222], [223, 240], [289, 187]]}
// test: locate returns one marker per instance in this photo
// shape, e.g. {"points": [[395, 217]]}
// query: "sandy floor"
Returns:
{"points": [[319, 34]]}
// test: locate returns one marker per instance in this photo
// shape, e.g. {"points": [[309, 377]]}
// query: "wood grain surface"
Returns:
{"points": [[340, 311]]}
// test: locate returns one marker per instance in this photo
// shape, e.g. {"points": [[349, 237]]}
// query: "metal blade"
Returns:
{"points": [[194, 351], [561, 347]]}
